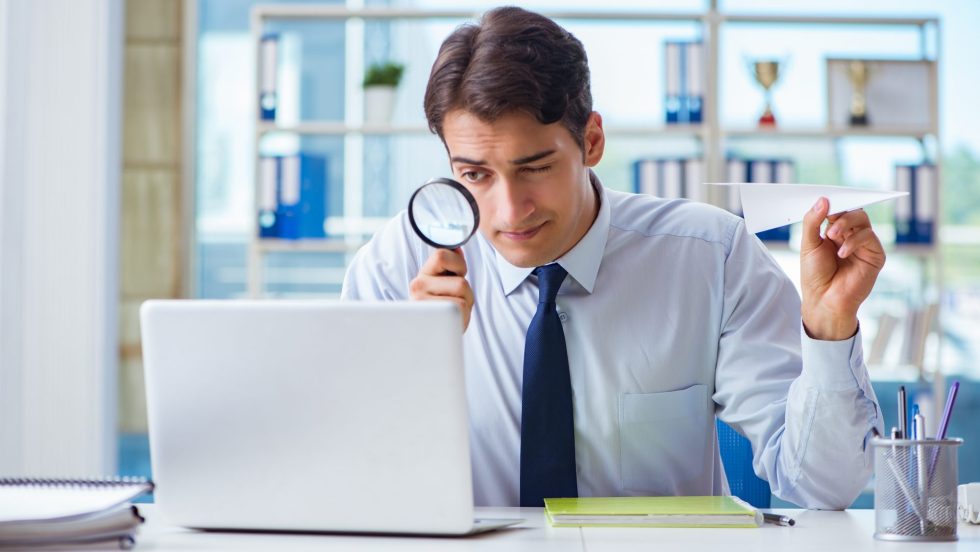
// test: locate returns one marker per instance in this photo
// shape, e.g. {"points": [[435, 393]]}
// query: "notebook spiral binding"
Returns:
{"points": [[75, 482]]}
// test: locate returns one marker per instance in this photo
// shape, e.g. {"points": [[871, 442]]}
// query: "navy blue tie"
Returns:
{"points": [[547, 430]]}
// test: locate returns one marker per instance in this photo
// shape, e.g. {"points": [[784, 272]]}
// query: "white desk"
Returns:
{"points": [[815, 531]]}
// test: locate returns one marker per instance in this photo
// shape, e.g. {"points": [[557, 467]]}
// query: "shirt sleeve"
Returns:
{"points": [[385, 266], [807, 406]]}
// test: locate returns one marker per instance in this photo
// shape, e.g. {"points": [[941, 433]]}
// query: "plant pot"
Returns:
{"points": [[379, 102]]}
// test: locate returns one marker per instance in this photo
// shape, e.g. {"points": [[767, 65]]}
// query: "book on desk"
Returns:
{"points": [[70, 512], [652, 511]]}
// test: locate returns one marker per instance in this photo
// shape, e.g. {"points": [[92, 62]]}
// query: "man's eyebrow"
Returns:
{"points": [[532, 158], [465, 161], [520, 161]]}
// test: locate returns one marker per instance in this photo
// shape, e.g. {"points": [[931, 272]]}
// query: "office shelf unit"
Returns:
{"points": [[715, 139]]}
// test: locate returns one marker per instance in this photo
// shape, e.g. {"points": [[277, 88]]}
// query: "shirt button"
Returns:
{"points": [[563, 317]]}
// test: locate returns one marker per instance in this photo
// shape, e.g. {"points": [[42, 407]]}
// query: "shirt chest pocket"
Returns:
{"points": [[663, 440]]}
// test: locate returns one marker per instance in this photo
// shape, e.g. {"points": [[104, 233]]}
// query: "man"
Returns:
{"points": [[601, 372]]}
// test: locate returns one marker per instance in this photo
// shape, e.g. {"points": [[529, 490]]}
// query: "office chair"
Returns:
{"points": [[736, 455]]}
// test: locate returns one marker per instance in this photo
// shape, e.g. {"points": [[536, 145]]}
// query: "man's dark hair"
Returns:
{"points": [[512, 60]]}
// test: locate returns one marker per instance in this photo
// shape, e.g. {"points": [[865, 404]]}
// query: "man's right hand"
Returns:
{"points": [[443, 277]]}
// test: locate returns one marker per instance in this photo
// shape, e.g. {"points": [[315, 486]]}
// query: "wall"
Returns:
{"points": [[59, 208]]}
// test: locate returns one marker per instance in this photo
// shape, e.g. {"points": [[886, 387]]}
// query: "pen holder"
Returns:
{"points": [[915, 489]]}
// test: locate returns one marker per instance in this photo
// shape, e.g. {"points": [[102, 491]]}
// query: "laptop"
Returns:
{"points": [[309, 416]]}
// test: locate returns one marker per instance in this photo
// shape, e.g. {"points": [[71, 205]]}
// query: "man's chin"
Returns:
{"points": [[522, 257]]}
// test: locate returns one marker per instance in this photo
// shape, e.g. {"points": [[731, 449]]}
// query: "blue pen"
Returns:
{"points": [[912, 427]]}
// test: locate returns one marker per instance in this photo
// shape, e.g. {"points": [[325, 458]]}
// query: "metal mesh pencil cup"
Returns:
{"points": [[915, 489]]}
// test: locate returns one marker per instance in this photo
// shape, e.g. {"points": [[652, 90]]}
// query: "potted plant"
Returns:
{"points": [[380, 82]]}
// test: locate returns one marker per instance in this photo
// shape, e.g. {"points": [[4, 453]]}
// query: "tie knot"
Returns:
{"points": [[550, 278]]}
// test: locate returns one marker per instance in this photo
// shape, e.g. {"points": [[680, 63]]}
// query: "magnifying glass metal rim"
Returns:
{"points": [[464, 192]]}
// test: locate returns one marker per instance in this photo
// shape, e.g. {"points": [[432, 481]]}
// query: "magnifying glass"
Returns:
{"points": [[443, 213]]}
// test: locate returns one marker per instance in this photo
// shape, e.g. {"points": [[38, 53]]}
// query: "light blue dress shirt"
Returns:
{"points": [[673, 314]]}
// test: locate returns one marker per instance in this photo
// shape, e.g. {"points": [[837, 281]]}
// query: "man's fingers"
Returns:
{"points": [[443, 261], [443, 286], [844, 225], [864, 238], [811, 224]]}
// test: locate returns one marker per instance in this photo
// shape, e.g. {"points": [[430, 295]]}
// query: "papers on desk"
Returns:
{"points": [[653, 511], [768, 206], [66, 512]]}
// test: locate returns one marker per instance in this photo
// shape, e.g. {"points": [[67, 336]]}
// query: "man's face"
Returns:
{"points": [[530, 181]]}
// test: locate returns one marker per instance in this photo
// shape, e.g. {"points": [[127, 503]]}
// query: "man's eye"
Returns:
{"points": [[537, 170], [473, 176]]}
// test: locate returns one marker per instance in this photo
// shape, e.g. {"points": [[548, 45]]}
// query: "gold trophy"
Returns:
{"points": [[766, 73], [857, 72]]}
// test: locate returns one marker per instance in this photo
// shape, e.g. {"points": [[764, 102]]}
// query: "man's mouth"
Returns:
{"points": [[523, 235]]}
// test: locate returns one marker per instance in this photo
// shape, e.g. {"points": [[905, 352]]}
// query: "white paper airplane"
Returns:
{"points": [[768, 206]]}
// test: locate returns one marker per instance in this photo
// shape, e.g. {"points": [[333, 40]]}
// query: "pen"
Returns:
{"points": [[777, 519], [948, 411], [943, 426], [920, 460], [902, 413], [914, 429]]}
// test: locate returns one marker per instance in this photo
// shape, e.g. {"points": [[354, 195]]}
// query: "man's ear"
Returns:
{"points": [[595, 140]]}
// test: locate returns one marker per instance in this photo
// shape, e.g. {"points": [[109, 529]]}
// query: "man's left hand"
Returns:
{"points": [[837, 271]]}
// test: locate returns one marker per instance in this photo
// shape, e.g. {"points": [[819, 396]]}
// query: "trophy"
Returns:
{"points": [[857, 72], [766, 73]]}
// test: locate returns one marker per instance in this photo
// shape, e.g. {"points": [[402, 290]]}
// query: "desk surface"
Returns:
{"points": [[815, 531]]}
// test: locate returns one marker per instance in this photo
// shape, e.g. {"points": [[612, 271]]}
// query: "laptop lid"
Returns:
{"points": [[304, 415]]}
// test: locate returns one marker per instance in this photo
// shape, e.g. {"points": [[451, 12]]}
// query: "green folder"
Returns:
{"points": [[652, 511]]}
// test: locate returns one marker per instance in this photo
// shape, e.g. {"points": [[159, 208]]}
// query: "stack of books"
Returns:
{"points": [[73, 513], [652, 511]]}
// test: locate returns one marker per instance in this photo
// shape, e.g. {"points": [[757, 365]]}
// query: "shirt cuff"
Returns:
{"points": [[833, 365]]}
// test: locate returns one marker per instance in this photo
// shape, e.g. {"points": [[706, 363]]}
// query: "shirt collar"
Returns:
{"points": [[582, 261]]}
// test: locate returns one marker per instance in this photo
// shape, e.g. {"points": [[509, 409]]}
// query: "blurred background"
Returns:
{"points": [[231, 148]]}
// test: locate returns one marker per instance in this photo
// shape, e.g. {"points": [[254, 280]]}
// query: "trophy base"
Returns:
{"points": [[767, 120], [859, 120]]}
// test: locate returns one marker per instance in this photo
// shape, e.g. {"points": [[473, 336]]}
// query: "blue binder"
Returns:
{"points": [[925, 203], [905, 206], [300, 191], [683, 81], [268, 68]]}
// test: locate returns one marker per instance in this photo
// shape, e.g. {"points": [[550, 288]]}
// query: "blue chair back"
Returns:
{"points": [[736, 455]]}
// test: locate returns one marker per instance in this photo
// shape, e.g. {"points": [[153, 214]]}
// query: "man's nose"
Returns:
{"points": [[514, 204]]}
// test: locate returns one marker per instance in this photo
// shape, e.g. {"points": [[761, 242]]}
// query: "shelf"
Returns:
{"points": [[347, 233], [330, 128], [301, 11], [827, 20], [828, 133], [696, 131], [309, 245], [912, 249], [340, 129]]}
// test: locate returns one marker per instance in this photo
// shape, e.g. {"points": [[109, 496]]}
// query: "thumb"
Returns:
{"points": [[811, 225]]}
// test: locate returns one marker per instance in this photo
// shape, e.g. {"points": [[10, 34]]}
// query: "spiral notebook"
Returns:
{"points": [[45, 512]]}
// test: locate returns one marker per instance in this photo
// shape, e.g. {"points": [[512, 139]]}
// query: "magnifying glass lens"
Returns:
{"points": [[443, 213]]}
